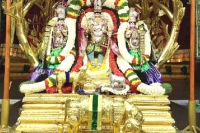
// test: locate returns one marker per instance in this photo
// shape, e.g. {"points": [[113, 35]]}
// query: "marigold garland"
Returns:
{"points": [[73, 52], [113, 64], [57, 71], [49, 82], [57, 59], [146, 57], [135, 81], [135, 61], [73, 12], [67, 88], [116, 3], [79, 63], [52, 89], [122, 5]]}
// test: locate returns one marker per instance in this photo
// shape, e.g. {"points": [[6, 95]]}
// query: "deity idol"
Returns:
{"points": [[134, 62], [100, 34], [53, 46], [55, 57]]}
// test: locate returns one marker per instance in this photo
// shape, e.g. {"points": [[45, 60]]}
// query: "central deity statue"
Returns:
{"points": [[100, 33]]}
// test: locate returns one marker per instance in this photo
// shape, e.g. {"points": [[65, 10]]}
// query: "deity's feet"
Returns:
{"points": [[99, 66], [93, 64]]}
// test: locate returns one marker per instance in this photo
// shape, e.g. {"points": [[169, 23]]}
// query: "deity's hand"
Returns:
{"points": [[128, 33]]}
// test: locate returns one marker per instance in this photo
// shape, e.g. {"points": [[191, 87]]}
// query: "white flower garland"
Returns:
{"points": [[67, 63], [88, 3], [109, 3], [153, 89], [123, 64], [124, 10], [122, 42], [71, 25], [76, 7], [32, 88], [114, 91]]}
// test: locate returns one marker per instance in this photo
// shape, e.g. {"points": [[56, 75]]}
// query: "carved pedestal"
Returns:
{"points": [[62, 113]]}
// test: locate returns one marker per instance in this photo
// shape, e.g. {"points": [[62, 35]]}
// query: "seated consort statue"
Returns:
{"points": [[54, 57], [135, 62]]}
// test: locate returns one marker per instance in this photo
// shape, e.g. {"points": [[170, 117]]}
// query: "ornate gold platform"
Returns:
{"points": [[49, 113]]}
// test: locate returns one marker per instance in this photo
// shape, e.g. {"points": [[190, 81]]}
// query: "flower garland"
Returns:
{"points": [[31, 87], [131, 77], [154, 89], [66, 64], [74, 8], [115, 91], [55, 59], [116, 71], [50, 82], [110, 4], [123, 10], [113, 65], [79, 63]]}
